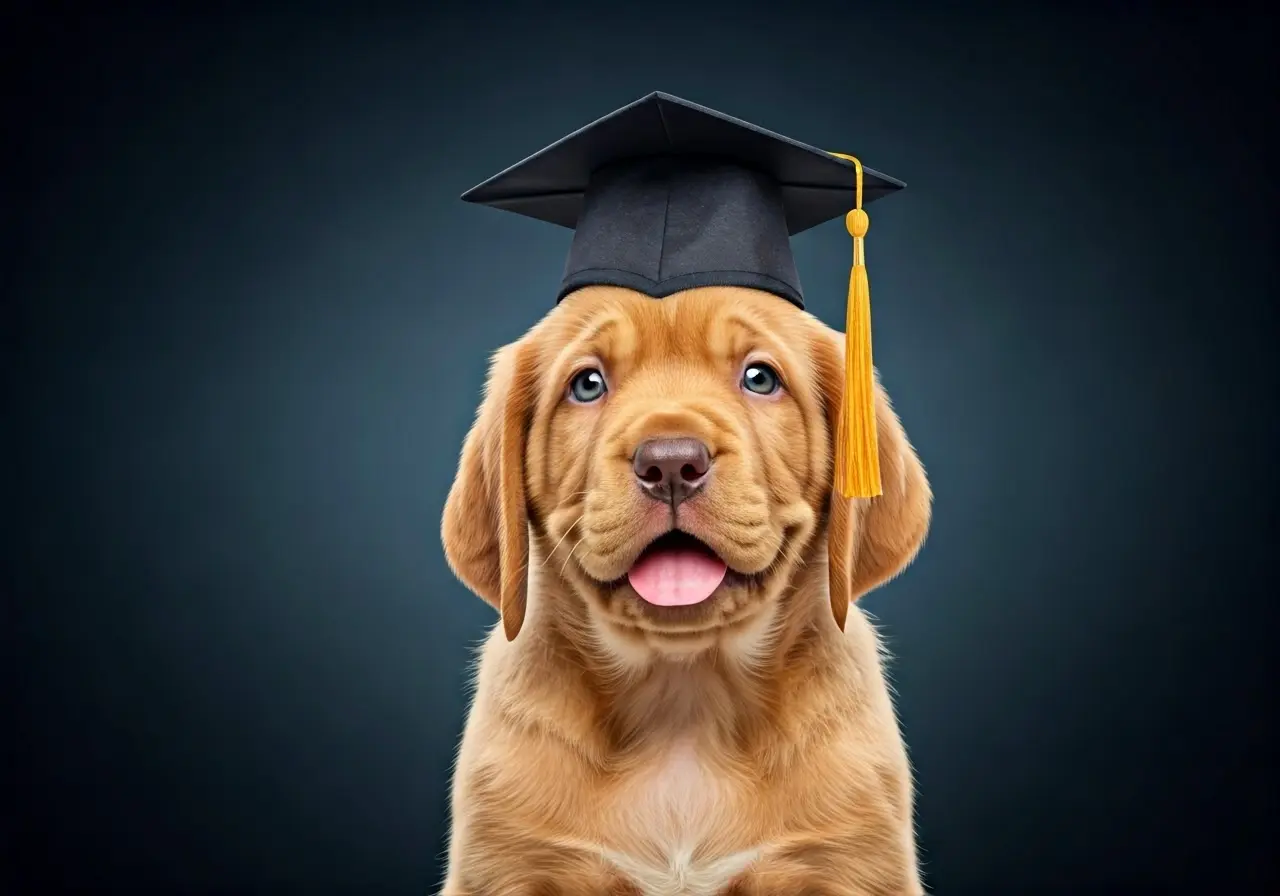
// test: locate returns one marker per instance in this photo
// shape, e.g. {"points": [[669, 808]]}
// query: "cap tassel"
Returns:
{"points": [[857, 455]]}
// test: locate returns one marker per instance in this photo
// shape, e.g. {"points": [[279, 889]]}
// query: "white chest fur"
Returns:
{"points": [[674, 811]]}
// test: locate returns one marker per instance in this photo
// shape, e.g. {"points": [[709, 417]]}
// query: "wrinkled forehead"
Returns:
{"points": [[712, 325]]}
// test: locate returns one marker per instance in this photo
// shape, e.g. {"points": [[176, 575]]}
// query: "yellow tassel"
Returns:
{"points": [[857, 455]]}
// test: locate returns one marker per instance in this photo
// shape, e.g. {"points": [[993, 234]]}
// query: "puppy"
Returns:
{"points": [[680, 697]]}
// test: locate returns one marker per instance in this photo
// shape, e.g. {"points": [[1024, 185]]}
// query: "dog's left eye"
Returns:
{"points": [[588, 386], [761, 379]]}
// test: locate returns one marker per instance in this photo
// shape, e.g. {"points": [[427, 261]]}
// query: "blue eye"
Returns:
{"points": [[761, 379], [588, 386]]}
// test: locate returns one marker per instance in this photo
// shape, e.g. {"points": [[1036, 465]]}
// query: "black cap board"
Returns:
{"points": [[665, 195]]}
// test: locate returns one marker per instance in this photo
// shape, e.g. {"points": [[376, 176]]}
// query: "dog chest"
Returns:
{"points": [[671, 818]]}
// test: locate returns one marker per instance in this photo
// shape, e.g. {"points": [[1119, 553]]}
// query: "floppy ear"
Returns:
{"points": [[485, 528], [869, 541]]}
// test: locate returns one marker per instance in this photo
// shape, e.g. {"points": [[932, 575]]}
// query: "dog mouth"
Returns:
{"points": [[678, 570]]}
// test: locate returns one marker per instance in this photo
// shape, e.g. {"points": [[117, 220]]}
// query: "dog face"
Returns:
{"points": [[671, 461]]}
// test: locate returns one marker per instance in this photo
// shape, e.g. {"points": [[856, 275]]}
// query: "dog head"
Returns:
{"points": [[671, 463]]}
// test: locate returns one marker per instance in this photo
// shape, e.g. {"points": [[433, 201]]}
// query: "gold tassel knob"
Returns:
{"points": [[857, 455]]}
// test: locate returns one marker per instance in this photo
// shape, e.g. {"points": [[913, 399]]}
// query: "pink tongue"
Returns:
{"points": [[678, 577]]}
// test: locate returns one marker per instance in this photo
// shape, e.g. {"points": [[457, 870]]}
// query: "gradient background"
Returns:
{"points": [[247, 328]]}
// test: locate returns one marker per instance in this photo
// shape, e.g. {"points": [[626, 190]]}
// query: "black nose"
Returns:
{"points": [[671, 470]]}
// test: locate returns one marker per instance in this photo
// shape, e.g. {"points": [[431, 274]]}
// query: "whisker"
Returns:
{"points": [[556, 546], [795, 553], [792, 552], [569, 556]]}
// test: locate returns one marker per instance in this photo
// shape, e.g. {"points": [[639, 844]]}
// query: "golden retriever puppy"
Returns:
{"points": [[680, 698]]}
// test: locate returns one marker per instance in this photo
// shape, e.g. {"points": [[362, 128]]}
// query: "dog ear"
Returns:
{"points": [[485, 528], [869, 541]]}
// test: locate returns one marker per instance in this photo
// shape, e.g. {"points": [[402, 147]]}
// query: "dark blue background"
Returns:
{"points": [[246, 324]]}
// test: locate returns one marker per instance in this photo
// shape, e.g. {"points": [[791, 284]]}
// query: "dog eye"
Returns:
{"points": [[588, 386], [761, 379]]}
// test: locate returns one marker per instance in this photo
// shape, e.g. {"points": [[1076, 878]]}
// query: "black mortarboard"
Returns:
{"points": [[665, 195]]}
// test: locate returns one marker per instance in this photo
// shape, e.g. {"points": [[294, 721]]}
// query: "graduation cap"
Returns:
{"points": [[664, 195]]}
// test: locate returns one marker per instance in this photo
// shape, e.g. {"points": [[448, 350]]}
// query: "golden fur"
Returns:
{"points": [[744, 747]]}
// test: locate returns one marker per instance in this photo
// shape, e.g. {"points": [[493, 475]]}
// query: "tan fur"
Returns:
{"points": [[751, 750]]}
